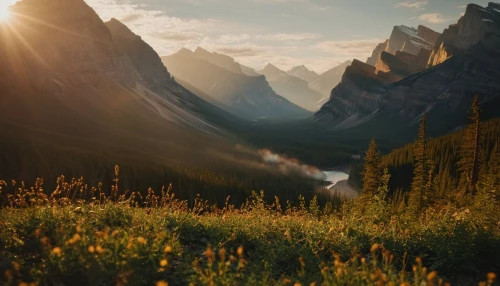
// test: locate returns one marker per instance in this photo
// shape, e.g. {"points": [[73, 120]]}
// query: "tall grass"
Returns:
{"points": [[82, 235]]}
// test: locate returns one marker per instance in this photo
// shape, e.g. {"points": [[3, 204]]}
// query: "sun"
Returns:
{"points": [[4, 10]]}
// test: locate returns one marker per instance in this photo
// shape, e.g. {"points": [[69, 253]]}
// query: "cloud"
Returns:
{"points": [[433, 18], [418, 5], [130, 18], [290, 37], [240, 51], [462, 7], [181, 37], [167, 34], [356, 48]]}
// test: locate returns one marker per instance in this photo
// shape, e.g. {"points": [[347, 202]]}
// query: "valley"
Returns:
{"points": [[132, 153]]}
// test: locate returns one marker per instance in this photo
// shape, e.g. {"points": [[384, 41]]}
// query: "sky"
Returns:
{"points": [[316, 33]]}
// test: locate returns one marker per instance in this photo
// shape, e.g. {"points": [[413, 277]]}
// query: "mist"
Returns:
{"points": [[291, 165]]}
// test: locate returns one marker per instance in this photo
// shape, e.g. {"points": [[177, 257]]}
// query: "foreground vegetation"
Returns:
{"points": [[433, 230], [120, 238]]}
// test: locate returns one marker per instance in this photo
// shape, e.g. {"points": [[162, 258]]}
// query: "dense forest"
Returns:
{"points": [[457, 168]]}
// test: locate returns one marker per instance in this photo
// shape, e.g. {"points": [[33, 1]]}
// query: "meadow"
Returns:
{"points": [[114, 237]]}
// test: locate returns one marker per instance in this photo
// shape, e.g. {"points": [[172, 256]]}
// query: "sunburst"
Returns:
{"points": [[4, 10]]}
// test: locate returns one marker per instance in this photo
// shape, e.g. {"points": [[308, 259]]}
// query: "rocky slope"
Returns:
{"points": [[406, 39], [444, 91], [469, 30], [292, 88], [303, 73], [250, 97], [405, 53]]}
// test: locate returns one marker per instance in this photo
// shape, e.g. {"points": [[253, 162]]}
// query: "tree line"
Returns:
{"points": [[462, 168]]}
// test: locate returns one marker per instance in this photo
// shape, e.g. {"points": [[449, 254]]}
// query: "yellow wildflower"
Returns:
{"points": [[141, 240], [57, 251], [168, 249]]}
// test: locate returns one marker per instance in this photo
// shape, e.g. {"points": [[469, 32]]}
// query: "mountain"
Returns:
{"points": [[303, 73], [250, 97], [82, 95], [292, 88], [249, 71], [356, 96], [406, 39], [444, 91], [469, 30], [325, 82]]}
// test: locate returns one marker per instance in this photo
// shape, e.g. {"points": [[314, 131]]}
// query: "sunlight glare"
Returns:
{"points": [[4, 12], [4, 9]]}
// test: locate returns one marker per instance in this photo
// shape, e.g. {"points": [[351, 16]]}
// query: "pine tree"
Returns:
{"points": [[422, 173], [372, 170], [471, 157]]}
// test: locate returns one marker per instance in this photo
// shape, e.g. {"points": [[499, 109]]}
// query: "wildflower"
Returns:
{"points": [[491, 277], [91, 249], [297, 284], [432, 276], [161, 283], [374, 247], [163, 263], [78, 229], [99, 249], [240, 251], [209, 253], [57, 251], [141, 240], [418, 260], [222, 255], [115, 233], [76, 238], [168, 249]]}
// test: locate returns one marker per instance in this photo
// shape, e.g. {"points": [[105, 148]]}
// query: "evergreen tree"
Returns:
{"points": [[422, 172], [471, 158], [372, 170]]}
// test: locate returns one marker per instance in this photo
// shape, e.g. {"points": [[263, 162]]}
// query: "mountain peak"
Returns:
{"points": [[118, 28], [271, 67], [200, 50], [303, 72]]}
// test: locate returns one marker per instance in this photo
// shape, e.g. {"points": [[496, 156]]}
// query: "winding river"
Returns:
{"points": [[333, 177]]}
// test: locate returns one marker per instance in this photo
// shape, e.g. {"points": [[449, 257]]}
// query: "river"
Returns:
{"points": [[334, 177]]}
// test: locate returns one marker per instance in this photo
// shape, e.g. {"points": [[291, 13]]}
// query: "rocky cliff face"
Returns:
{"points": [[356, 95], [469, 30], [444, 92], [247, 96], [376, 53], [406, 39], [401, 87], [144, 59]]}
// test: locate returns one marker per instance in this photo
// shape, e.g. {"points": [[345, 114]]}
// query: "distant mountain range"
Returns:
{"points": [[223, 80], [419, 70], [293, 88]]}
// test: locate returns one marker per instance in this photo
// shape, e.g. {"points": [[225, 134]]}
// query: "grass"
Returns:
{"points": [[65, 238]]}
